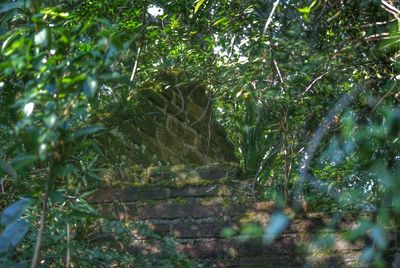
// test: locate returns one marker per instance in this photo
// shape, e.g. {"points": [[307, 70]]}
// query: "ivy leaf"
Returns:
{"points": [[198, 5]]}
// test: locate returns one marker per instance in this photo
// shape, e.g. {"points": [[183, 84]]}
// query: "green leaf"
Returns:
{"points": [[24, 160], [42, 38], [65, 170], [57, 196], [84, 181], [250, 231], [94, 176], [90, 87], [9, 40], [354, 234], [367, 255], [277, 224], [10, 6], [50, 120], [14, 211], [378, 235], [198, 5], [87, 193], [13, 234], [83, 214], [110, 76], [91, 164], [222, 21], [8, 169], [313, 4], [87, 131], [304, 10], [325, 241], [228, 232]]}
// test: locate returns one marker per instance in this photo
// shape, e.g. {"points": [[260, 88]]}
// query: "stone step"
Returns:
{"points": [[158, 192], [169, 209]]}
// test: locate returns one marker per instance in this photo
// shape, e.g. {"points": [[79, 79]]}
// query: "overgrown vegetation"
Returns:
{"points": [[307, 90]]}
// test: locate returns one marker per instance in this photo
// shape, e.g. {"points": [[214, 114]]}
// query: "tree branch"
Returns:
{"points": [[271, 15], [139, 48], [312, 83]]}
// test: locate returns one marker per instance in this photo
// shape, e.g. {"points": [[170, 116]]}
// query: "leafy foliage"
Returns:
{"points": [[15, 228], [275, 70]]}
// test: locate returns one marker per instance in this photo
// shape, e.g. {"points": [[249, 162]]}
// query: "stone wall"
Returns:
{"points": [[196, 205], [168, 123]]}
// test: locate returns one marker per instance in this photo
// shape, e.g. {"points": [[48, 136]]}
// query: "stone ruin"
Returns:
{"points": [[168, 124], [195, 205], [195, 201]]}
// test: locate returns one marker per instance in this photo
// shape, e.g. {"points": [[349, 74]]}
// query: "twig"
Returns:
{"points": [[279, 74], [312, 83], [378, 37], [334, 16], [383, 98], [231, 47], [271, 14], [378, 23], [268, 154], [392, 10], [135, 65], [143, 32], [42, 224], [68, 257], [2, 184]]}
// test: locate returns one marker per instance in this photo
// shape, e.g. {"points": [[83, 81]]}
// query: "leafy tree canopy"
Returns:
{"points": [[307, 90]]}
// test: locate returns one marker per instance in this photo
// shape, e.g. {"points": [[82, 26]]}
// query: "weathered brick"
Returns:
{"points": [[198, 112], [154, 97], [200, 230], [157, 192], [189, 136], [170, 209], [196, 215]]}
